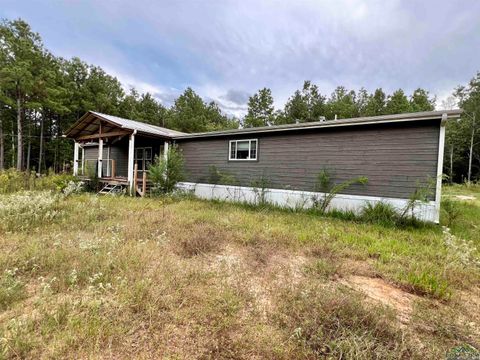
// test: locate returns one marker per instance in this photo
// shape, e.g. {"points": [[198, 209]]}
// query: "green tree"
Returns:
{"points": [[362, 101], [397, 103], [22, 52], [421, 101], [151, 111], [469, 127], [261, 111], [341, 104], [304, 106], [375, 104], [191, 114], [296, 109]]}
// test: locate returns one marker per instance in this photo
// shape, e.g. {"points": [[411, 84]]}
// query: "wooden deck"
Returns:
{"points": [[143, 184]]}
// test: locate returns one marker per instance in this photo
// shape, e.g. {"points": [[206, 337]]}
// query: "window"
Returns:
{"points": [[143, 158], [243, 149]]}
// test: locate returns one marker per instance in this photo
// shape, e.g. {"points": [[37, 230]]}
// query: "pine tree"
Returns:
{"points": [[261, 111]]}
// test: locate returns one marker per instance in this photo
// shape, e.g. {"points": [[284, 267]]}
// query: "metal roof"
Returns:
{"points": [[141, 127], [418, 116], [153, 130]]}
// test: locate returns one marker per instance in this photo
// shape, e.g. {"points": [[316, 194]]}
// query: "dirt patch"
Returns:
{"points": [[381, 291], [360, 268], [465, 197], [470, 302], [240, 269]]}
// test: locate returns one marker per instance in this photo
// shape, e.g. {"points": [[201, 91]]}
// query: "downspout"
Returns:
{"points": [[441, 149], [131, 147]]}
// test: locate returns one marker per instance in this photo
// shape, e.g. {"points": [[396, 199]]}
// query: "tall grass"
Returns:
{"points": [[183, 278], [12, 181], [24, 210]]}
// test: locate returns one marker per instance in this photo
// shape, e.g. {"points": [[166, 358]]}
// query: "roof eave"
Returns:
{"points": [[451, 114]]}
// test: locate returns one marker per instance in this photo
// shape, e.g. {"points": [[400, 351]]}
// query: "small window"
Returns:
{"points": [[243, 149]]}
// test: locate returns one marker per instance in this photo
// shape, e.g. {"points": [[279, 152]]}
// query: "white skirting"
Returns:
{"points": [[303, 199]]}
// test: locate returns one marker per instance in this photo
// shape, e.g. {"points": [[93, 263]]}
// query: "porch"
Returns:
{"points": [[117, 151]]}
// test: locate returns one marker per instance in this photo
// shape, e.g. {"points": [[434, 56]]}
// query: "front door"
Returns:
{"points": [[143, 158]]}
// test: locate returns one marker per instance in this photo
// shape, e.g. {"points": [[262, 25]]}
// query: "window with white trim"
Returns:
{"points": [[243, 149]]}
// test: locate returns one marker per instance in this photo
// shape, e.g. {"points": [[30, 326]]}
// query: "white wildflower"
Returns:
{"points": [[73, 278], [22, 210], [462, 250], [47, 284], [74, 187]]}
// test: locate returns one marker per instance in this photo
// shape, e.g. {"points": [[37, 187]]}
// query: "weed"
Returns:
{"points": [[322, 268], [337, 324], [330, 190], [260, 189], [451, 211], [203, 240], [177, 277], [379, 212], [426, 283], [463, 352], [24, 210], [11, 289]]}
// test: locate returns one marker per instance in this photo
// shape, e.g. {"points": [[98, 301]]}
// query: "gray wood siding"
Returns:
{"points": [[394, 157], [118, 152]]}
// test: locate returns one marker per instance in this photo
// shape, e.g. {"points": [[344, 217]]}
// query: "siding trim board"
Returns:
{"points": [[303, 199]]}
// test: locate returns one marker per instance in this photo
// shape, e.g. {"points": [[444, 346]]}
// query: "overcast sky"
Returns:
{"points": [[227, 50]]}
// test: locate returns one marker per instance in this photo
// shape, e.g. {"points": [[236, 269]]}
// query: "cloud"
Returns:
{"points": [[227, 50], [236, 96]]}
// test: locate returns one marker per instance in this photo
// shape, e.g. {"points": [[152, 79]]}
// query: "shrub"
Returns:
{"points": [[93, 183], [329, 189], [451, 211], [260, 187], [12, 181], [167, 171], [379, 212], [463, 352], [56, 182]]}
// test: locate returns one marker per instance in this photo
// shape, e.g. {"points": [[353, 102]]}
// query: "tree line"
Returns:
{"points": [[42, 95], [309, 104]]}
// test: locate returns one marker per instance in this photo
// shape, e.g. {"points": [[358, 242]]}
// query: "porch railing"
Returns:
{"points": [[89, 168], [143, 190]]}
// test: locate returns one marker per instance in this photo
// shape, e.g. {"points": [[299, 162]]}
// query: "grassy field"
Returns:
{"points": [[117, 277]]}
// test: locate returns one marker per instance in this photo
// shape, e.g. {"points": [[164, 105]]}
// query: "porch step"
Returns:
{"points": [[111, 189]]}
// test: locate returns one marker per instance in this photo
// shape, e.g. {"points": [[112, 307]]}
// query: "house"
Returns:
{"points": [[397, 153]]}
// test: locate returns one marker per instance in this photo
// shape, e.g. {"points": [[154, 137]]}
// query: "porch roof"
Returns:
{"points": [[89, 125]]}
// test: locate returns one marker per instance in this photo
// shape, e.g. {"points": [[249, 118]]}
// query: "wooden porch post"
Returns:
{"points": [[83, 160], [100, 157], [131, 148], [165, 150], [75, 159]]}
